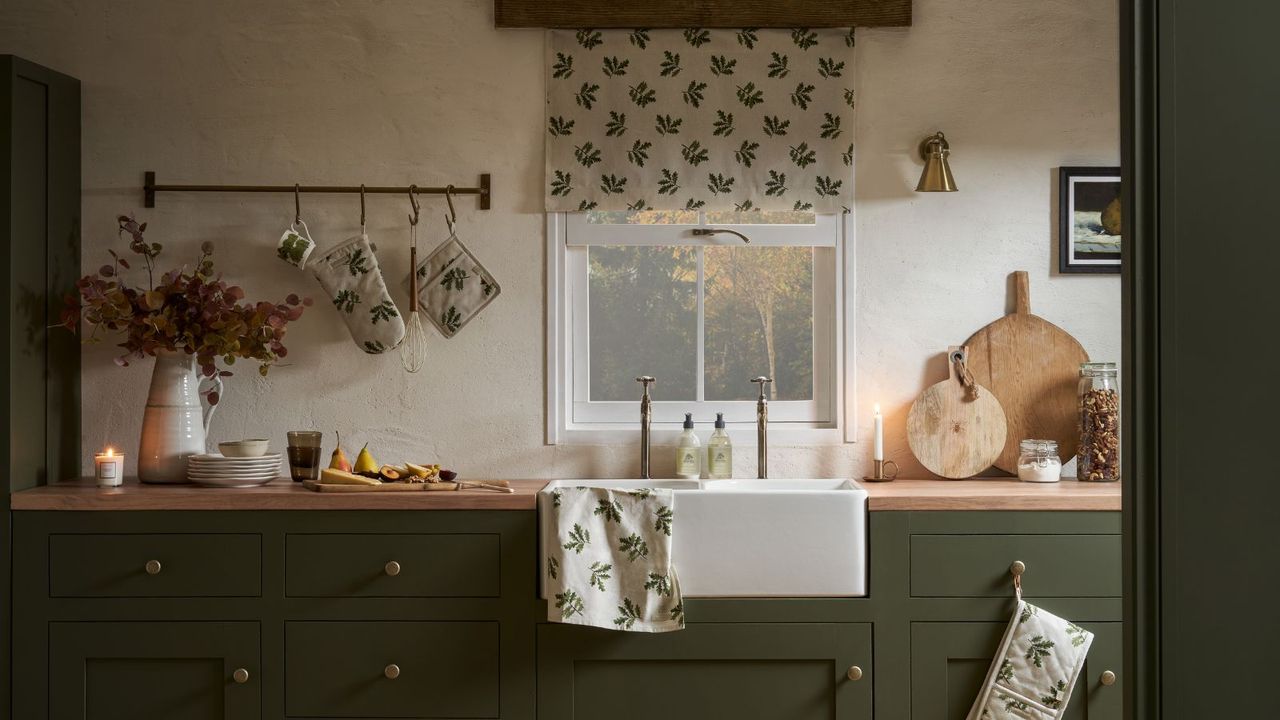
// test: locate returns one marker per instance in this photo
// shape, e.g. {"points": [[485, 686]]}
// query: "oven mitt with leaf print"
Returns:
{"points": [[453, 286], [349, 273]]}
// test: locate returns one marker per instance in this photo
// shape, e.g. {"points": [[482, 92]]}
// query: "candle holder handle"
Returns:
{"points": [[879, 474]]}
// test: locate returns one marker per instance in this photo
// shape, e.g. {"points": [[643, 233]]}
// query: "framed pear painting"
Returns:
{"points": [[1090, 220]]}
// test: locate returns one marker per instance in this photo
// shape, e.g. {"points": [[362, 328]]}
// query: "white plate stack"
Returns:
{"points": [[221, 471]]}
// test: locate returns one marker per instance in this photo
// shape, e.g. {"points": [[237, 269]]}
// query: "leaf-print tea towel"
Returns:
{"points": [[608, 560], [1035, 669], [453, 287], [350, 275]]}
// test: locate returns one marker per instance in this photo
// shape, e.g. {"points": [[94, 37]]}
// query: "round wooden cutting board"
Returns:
{"points": [[956, 430], [1033, 367]]}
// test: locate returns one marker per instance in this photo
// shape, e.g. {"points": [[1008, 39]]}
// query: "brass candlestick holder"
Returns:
{"points": [[880, 467]]}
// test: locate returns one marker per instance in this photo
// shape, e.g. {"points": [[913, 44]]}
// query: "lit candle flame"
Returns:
{"points": [[877, 408], [111, 451]]}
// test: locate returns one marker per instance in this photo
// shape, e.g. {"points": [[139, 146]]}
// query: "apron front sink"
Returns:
{"points": [[758, 538]]}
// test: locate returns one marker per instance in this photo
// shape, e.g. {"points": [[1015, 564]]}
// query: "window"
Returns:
{"points": [[637, 293]]}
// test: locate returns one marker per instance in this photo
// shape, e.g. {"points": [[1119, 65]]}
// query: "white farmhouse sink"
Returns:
{"points": [[759, 538]]}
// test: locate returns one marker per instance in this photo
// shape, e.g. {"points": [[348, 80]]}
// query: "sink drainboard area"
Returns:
{"points": [[756, 538]]}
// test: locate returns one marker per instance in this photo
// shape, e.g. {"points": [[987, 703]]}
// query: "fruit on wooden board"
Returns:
{"points": [[389, 473], [339, 461], [365, 464], [332, 476]]}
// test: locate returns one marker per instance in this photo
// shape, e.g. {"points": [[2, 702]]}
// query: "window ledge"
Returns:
{"points": [[741, 436]]}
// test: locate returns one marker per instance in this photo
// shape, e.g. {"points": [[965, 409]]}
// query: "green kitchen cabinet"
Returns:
{"points": [[949, 662], [797, 671], [170, 670], [352, 614], [40, 231], [392, 669]]}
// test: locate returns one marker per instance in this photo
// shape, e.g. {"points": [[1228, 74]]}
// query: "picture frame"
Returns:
{"points": [[1090, 232]]}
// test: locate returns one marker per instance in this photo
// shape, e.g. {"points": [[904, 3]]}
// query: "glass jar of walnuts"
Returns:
{"points": [[1099, 401]]}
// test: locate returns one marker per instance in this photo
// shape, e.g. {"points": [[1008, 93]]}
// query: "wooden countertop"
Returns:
{"points": [[280, 494], [994, 494]]}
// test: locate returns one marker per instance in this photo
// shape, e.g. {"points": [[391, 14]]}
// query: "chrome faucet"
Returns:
{"points": [[762, 429], [646, 418]]}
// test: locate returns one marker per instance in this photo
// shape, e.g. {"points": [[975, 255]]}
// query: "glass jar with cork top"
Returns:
{"points": [[1099, 404]]}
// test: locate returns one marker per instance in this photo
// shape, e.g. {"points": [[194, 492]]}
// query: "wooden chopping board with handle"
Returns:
{"points": [[956, 428], [1033, 367]]}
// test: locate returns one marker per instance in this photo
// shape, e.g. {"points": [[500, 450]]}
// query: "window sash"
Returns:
{"points": [[820, 411], [581, 233]]}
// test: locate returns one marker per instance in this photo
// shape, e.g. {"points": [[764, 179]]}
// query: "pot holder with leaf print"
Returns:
{"points": [[453, 287], [349, 273], [1035, 668]]}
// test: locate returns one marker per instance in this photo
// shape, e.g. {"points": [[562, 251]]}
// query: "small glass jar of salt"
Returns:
{"points": [[1038, 461]]}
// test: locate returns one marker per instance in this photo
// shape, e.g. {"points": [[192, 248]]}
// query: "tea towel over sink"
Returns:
{"points": [[608, 560]]}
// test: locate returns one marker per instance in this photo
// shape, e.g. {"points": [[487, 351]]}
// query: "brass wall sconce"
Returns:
{"points": [[937, 171]]}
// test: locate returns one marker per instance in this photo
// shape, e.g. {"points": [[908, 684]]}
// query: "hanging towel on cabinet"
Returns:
{"points": [[608, 560]]}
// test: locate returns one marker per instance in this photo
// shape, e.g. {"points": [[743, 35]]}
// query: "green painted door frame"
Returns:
{"points": [[1200, 100]]}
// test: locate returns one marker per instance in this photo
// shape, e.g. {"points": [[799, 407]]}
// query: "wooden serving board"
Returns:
{"points": [[954, 431], [399, 486], [1032, 366], [383, 487]]}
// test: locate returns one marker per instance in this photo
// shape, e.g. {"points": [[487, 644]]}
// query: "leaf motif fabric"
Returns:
{"points": [[350, 276], [710, 119], [453, 286], [1035, 668], [608, 559]]}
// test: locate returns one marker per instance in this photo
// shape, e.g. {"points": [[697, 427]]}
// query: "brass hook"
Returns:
{"points": [[361, 205], [413, 201], [453, 214], [297, 204]]}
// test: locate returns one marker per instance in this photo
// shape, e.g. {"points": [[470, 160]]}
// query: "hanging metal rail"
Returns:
{"points": [[150, 188]]}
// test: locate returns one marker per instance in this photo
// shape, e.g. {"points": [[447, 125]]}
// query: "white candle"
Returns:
{"points": [[109, 468], [878, 452]]}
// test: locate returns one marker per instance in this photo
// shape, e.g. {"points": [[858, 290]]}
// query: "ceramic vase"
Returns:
{"points": [[174, 422]]}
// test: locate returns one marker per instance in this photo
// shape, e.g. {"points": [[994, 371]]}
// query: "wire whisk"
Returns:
{"points": [[413, 351]]}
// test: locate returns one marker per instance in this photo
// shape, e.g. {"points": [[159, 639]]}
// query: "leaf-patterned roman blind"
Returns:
{"points": [[700, 119]]}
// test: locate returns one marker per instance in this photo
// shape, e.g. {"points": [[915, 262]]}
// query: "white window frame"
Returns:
{"points": [[824, 420]]}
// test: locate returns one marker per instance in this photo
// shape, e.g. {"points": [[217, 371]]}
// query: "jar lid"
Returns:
{"points": [[1097, 368], [1039, 445]]}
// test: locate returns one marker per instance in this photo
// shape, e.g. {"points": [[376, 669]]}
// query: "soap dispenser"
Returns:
{"points": [[688, 452], [719, 452]]}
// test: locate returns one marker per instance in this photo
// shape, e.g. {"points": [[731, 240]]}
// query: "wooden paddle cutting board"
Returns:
{"points": [[1033, 367], [956, 428]]}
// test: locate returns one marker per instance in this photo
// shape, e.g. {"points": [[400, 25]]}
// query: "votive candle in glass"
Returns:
{"points": [[109, 468]]}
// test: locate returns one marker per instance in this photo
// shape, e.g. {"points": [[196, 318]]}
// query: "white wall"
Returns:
{"points": [[403, 91]]}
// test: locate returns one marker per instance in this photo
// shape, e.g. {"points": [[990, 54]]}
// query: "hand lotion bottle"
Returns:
{"points": [[688, 452], [719, 452]]}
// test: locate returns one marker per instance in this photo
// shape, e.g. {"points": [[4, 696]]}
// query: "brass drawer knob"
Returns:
{"points": [[854, 673], [1108, 678], [392, 671], [241, 676], [152, 567], [1017, 568], [392, 568]]}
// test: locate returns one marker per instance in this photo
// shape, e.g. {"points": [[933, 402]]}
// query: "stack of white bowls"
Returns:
{"points": [[221, 471]]}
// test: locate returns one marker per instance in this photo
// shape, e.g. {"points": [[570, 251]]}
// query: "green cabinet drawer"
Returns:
{"points": [[949, 662], [155, 565], [391, 669], [366, 565], [978, 565], [797, 671], [170, 670]]}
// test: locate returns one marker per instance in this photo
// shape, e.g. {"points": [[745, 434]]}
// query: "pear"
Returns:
{"points": [[365, 464], [339, 461]]}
